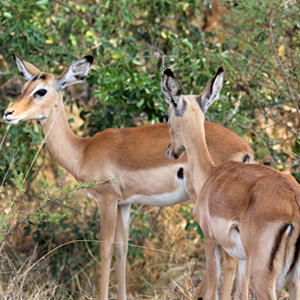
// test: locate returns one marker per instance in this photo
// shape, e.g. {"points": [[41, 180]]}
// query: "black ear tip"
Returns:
{"points": [[14, 56], [168, 72], [220, 70], [89, 58]]}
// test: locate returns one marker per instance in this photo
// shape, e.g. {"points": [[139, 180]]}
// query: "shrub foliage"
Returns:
{"points": [[257, 43]]}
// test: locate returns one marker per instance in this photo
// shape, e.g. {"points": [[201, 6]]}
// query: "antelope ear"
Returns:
{"points": [[77, 72], [170, 88], [26, 69], [212, 91]]}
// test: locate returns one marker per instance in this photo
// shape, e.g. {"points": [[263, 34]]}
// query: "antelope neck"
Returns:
{"points": [[200, 163], [66, 147]]}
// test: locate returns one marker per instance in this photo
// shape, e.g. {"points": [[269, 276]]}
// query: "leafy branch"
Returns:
{"points": [[48, 193]]}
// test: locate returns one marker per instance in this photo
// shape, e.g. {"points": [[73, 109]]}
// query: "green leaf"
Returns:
{"points": [[187, 43], [55, 191], [41, 2], [116, 56], [7, 15], [6, 3], [136, 62], [140, 103]]}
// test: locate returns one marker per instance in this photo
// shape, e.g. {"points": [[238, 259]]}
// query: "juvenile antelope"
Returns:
{"points": [[135, 156], [250, 211]]}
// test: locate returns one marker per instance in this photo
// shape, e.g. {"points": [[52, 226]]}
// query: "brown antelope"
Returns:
{"points": [[135, 156], [250, 211]]}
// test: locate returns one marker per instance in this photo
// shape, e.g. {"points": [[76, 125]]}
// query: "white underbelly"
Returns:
{"points": [[162, 200], [155, 187]]}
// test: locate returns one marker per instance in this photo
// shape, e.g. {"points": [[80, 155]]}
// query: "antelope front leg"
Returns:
{"points": [[213, 263], [108, 215], [122, 229]]}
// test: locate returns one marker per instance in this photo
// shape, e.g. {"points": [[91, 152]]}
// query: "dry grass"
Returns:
{"points": [[169, 270], [165, 273]]}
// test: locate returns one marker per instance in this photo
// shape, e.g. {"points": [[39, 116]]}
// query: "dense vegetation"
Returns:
{"points": [[257, 43]]}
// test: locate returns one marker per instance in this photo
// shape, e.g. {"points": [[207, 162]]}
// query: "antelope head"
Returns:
{"points": [[42, 91], [186, 113]]}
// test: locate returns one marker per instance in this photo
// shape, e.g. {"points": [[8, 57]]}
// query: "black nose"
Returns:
{"points": [[8, 113]]}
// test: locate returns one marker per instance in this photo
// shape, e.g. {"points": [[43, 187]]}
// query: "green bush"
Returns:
{"points": [[132, 42]]}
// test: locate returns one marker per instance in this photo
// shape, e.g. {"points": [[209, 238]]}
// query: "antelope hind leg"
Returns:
{"points": [[229, 264]]}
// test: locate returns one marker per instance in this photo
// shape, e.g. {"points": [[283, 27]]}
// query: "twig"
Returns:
{"points": [[29, 263], [236, 107], [180, 289], [175, 238], [64, 288], [192, 275], [2, 141], [26, 218], [138, 209], [266, 146], [97, 241], [89, 250], [246, 89], [62, 273], [199, 28], [70, 8], [281, 66], [154, 220]]}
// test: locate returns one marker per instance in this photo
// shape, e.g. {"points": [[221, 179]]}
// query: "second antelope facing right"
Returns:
{"points": [[251, 211]]}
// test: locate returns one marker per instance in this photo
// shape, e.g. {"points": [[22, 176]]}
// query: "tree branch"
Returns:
{"points": [[281, 65]]}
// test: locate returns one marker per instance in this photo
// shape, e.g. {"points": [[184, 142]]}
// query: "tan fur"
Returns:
{"points": [[135, 156], [31, 68], [236, 201]]}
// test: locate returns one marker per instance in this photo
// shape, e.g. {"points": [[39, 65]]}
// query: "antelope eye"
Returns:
{"points": [[166, 118], [41, 93]]}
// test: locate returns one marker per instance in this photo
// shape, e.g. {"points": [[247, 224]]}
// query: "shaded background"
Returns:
{"points": [[258, 45]]}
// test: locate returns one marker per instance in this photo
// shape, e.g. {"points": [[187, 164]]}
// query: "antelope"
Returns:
{"points": [[135, 156], [250, 211]]}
